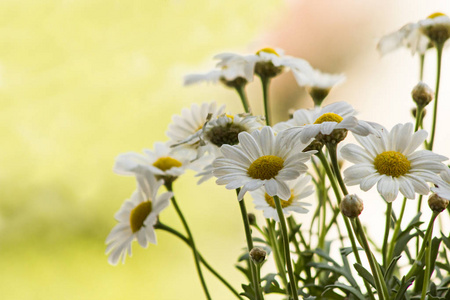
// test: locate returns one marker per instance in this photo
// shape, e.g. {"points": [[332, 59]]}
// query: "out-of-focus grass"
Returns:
{"points": [[81, 82]]}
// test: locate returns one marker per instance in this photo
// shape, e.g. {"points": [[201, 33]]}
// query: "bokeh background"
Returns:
{"points": [[83, 81]]}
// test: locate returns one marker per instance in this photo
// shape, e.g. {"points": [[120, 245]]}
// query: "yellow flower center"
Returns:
{"points": [[265, 167], [284, 203], [267, 50], [328, 117], [435, 15], [139, 214], [392, 163], [165, 163]]}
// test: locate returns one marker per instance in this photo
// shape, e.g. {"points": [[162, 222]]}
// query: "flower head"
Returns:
{"points": [[184, 128], [162, 161], [436, 27], [327, 124], [260, 159], [136, 218], [300, 188], [392, 162]]}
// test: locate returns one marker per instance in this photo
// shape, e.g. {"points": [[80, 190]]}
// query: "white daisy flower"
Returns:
{"points": [[231, 72], [300, 188], [409, 36], [315, 79], [162, 161], [136, 218], [267, 62], [391, 162], [260, 159], [188, 124], [419, 36], [443, 187], [326, 124]]}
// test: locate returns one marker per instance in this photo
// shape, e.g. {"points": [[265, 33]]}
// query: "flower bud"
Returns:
{"points": [[437, 204], [258, 255], [414, 112], [422, 94], [351, 206], [251, 218]]}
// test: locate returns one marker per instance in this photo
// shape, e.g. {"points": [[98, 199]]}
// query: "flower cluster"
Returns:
{"points": [[282, 164]]}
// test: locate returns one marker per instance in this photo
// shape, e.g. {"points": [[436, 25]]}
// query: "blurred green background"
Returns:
{"points": [[83, 81]]}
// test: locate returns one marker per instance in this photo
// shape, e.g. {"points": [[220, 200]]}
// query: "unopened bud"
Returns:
{"points": [[251, 218], [352, 206], [414, 112], [258, 255], [422, 94], [334, 138], [436, 203]]}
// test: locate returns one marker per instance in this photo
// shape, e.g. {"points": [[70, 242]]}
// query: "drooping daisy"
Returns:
{"points": [[300, 188], [391, 162], [260, 159], [267, 62], [328, 124], [189, 123], [443, 187], [232, 73], [317, 83], [136, 218], [162, 161], [418, 36]]}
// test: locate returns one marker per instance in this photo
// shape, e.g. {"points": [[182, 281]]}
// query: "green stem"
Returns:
{"points": [[396, 232], [386, 234], [332, 149], [332, 179], [422, 63], [292, 227], [287, 252], [376, 272], [279, 262], [438, 79], [240, 89], [419, 258], [164, 227], [191, 239], [265, 82], [248, 236]]}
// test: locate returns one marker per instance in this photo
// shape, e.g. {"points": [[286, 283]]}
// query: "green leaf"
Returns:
{"points": [[272, 285], [248, 292], [391, 267], [337, 270], [446, 240], [403, 287], [347, 289], [364, 274], [348, 250]]}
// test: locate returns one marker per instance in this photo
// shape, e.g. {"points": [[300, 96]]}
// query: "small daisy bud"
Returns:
{"points": [[251, 218], [352, 206], [436, 203], [422, 94], [258, 255]]}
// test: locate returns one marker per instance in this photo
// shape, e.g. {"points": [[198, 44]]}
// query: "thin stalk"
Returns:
{"points": [[240, 89], [332, 149], [396, 231], [265, 82], [419, 112], [427, 273], [287, 252], [176, 233], [378, 278], [292, 226], [191, 239], [419, 257], [439, 48], [248, 236], [279, 262], [386, 234], [332, 179], [422, 63]]}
